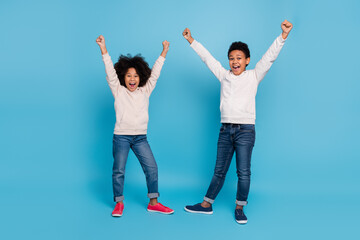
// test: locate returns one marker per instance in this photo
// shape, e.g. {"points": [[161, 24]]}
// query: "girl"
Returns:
{"points": [[131, 82]]}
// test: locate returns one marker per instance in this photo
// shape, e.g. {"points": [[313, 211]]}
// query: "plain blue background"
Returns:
{"points": [[57, 119]]}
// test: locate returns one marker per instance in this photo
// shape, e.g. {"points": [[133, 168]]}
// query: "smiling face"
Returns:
{"points": [[132, 79], [238, 61]]}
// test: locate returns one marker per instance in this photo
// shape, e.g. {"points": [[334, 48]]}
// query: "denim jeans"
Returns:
{"points": [[238, 138], [140, 146]]}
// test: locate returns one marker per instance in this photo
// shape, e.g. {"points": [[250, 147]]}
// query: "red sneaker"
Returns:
{"points": [[118, 210], [160, 209]]}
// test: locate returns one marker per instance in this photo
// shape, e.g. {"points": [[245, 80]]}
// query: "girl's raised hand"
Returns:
{"points": [[101, 42], [166, 46]]}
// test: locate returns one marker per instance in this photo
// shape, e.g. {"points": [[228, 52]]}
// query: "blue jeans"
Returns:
{"points": [[239, 138], [140, 146]]}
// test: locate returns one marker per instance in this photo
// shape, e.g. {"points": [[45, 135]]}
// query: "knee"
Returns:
{"points": [[243, 173], [118, 172], [220, 174]]}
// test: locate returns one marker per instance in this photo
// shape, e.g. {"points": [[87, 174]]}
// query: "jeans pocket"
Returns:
{"points": [[222, 128], [247, 128]]}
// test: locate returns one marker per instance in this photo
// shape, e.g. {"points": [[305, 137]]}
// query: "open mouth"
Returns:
{"points": [[132, 85], [236, 67]]}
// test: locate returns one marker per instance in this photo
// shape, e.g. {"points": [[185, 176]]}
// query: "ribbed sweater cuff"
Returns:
{"points": [[105, 56]]}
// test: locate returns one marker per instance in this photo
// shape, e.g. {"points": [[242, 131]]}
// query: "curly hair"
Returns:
{"points": [[138, 62], [240, 46]]}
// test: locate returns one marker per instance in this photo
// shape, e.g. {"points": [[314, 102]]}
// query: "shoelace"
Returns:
{"points": [[240, 211]]}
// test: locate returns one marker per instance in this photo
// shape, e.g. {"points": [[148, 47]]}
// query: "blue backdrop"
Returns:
{"points": [[57, 119]]}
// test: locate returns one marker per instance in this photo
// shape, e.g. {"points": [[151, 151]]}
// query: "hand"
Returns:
{"points": [[286, 27], [101, 42], [187, 35], [166, 45]]}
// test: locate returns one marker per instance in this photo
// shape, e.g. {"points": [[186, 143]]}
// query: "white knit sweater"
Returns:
{"points": [[237, 101], [131, 108]]}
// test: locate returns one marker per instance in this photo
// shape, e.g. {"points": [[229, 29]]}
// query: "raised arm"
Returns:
{"points": [[156, 69], [263, 66], [111, 75], [215, 66]]}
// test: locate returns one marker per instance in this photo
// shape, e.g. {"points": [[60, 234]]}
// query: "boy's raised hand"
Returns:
{"points": [[101, 42], [166, 46], [187, 35], [286, 27]]}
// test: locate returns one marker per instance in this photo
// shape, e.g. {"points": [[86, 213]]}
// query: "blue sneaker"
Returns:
{"points": [[240, 216], [197, 208]]}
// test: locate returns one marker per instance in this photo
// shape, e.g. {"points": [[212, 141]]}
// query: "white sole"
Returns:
{"points": [[241, 221], [116, 215], [161, 212], [191, 211]]}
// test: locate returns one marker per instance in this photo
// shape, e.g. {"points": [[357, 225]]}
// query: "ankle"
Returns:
{"points": [[239, 207], [205, 204], [153, 201]]}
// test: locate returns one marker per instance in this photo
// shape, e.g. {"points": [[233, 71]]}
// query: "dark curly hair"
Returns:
{"points": [[138, 62], [240, 46]]}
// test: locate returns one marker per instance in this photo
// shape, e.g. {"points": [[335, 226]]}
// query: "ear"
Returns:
{"points": [[247, 61]]}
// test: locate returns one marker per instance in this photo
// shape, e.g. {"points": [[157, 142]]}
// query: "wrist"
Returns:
{"points": [[190, 40], [103, 50], [284, 35], [163, 53]]}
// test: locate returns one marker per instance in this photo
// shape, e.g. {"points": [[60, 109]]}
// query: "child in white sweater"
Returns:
{"points": [[131, 82], [237, 106]]}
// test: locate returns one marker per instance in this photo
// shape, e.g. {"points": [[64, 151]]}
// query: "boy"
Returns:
{"points": [[237, 106]]}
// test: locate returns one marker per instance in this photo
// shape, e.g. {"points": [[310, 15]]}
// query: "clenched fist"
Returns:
{"points": [[187, 35], [286, 27], [166, 45], [101, 42]]}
